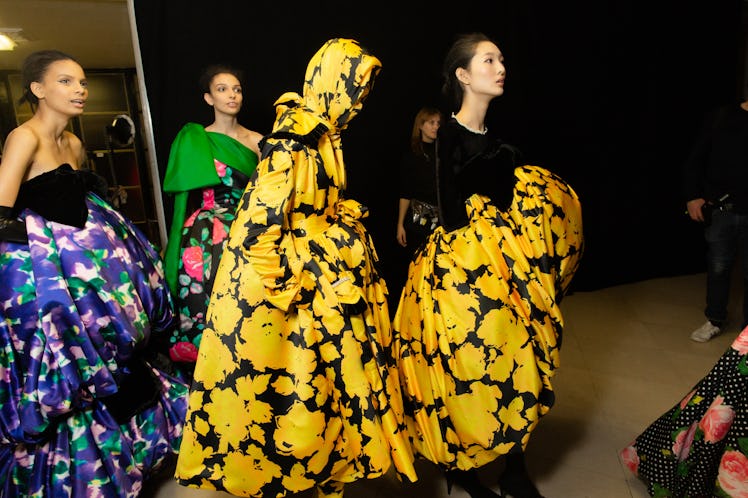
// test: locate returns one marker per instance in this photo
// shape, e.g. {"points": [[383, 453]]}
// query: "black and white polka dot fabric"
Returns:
{"points": [[699, 448]]}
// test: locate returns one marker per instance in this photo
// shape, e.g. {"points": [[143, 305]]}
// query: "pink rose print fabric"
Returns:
{"points": [[683, 441], [204, 237], [699, 448], [717, 420], [733, 474]]}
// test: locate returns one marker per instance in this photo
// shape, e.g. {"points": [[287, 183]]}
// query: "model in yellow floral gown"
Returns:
{"points": [[478, 327], [295, 386]]}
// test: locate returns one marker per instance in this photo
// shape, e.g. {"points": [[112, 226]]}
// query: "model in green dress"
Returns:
{"points": [[207, 172]]}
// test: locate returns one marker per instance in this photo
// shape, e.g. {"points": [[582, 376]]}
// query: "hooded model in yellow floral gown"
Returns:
{"points": [[294, 385]]}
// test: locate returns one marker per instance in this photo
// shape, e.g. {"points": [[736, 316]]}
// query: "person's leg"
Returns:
{"points": [[515, 480], [470, 482], [721, 250]]}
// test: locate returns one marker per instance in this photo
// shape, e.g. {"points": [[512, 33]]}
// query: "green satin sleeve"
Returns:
{"points": [[174, 243], [191, 166], [233, 153]]}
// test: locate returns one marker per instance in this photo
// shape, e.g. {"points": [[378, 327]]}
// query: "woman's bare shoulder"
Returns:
{"points": [[22, 135], [251, 139], [73, 141]]}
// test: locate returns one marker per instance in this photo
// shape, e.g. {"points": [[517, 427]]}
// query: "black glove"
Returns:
{"points": [[11, 229], [96, 184]]}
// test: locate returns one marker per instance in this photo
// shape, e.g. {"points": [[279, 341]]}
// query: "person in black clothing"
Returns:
{"points": [[417, 212], [716, 189]]}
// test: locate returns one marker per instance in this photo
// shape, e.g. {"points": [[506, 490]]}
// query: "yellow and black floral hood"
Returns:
{"points": [[338, 79]]}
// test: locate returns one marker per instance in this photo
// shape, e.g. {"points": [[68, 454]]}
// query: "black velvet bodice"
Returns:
{"points": [[60, 195], [473, 163]]}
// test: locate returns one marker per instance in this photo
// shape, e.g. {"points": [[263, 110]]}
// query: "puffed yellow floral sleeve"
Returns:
{"points": [[267, 244]]}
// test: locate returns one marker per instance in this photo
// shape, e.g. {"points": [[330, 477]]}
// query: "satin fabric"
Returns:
{"points": [[478, 328], [295, 386], [79, 307]]}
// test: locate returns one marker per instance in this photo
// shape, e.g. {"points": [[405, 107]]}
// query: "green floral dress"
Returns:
{"points": [[197, 239]]}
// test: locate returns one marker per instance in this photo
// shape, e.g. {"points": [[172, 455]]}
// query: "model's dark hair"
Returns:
{"points": [[459, 55], [211, 71], [426, 113], [34, 67]]}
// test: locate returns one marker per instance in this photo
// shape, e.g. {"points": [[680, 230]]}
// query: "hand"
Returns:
{"points": [[11, 229], [401, 239], [694, 209]]}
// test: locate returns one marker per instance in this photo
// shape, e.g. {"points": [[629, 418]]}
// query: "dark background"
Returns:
{"points": [[608, 94]]}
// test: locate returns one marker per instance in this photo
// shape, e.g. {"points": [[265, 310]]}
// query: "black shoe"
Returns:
{"points": [[468, 480], [518, 486]]}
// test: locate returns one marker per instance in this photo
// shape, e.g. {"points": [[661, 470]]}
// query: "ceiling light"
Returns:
{"points": [[10, 37], [6, 42]]}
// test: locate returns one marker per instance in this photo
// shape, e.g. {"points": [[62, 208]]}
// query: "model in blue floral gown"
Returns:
{"points": [[85, 408]]}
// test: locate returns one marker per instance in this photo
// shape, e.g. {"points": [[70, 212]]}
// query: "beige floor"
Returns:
{"points": [[626, 358]]}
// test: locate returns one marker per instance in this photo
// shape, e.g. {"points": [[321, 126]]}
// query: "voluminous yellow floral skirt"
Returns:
{"points": [[478, 327], [286, 400]]}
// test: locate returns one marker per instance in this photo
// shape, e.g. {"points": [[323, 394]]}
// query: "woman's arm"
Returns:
{"points": [[18, 154], [402, 209], [19, 151]]}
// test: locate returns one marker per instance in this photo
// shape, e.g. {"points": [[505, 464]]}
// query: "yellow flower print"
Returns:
{"points": [[492, 285], [249, 386], [526, 378], [512, 414], [223, 407], [299, 432], [248, 471], [297, 480], [191, 454], [220, 359], [468, 362]]}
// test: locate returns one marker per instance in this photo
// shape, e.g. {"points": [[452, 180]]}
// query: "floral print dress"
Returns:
{"points": [[295, 386], [204, 237], [478, 328], [699, 448], [86, 409], [214, 169]]}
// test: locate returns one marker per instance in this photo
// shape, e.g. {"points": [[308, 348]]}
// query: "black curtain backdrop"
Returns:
{"points": [[608, 94]]}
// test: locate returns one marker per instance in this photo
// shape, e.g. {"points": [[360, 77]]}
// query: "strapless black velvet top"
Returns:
{"points": [[60, 195]]}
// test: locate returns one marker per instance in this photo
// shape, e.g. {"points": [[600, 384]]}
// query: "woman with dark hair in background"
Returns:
{"points": [[85, 411], [478, 327], [208, 169]]}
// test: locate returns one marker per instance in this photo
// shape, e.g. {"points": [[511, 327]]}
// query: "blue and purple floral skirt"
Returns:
{"points": [[84, 410]]}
